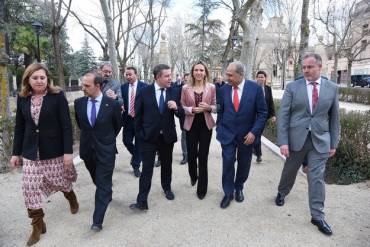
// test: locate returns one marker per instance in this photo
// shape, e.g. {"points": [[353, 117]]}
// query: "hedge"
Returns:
{"points": [[351, 163], [355, 95]]}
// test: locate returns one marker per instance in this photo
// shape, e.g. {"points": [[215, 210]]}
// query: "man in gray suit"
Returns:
{"points": [[308, 125], [110, 87]]}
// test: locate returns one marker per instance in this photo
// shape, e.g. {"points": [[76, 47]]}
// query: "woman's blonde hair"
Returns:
{"points": [[26, 87], [192, 79]]}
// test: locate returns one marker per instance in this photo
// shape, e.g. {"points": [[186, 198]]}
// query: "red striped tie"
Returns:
{"points": [[132, 101], [315, 95]]}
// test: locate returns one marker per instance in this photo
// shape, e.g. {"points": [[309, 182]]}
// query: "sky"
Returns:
{"points": [[90, 11]]}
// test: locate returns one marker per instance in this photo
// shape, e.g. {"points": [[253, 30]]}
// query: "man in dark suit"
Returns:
{"points": [[99, 119], [130, 91], [267, 93], [241, 117], [155, 129]]}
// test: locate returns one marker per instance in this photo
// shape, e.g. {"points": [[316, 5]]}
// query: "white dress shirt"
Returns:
{"points": [[97, 106], [130, 87], [240, 91], [310, 88], [158, 92]]}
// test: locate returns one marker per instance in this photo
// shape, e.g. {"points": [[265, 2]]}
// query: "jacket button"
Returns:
{"points": [[37, 131]]}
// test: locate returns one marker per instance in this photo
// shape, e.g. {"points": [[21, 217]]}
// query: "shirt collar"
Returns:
{"points": [[157, 87], [318, 81], [98, 98], [241, 85], [134, 84]]}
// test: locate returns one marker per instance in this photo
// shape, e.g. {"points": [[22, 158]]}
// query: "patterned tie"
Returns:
{"points": [[236, 99], [315, 95], [132, 101], [93, 112], [161, 102]]}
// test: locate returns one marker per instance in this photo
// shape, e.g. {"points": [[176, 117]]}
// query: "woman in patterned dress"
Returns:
{"points": [[198, 99], [43, 139]]}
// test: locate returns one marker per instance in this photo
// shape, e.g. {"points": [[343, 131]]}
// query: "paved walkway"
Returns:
{"points": [[187, 221]]}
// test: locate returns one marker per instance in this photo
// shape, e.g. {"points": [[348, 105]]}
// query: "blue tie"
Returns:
{"points": [[161, 102], [93, 112]]}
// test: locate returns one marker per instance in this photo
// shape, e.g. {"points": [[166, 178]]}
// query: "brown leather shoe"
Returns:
{"points": [[38, 225], [72, 199]]}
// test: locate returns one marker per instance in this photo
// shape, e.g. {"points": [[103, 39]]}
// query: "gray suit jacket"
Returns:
{"points": [[295, 117], [116, 87]]}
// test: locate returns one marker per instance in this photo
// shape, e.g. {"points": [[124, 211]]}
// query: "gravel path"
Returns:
{"points": [[187, 221]]}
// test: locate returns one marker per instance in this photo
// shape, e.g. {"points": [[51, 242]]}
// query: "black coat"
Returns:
{"points": [[52, 137], [101, 138], [125, 97], [269, 102], [149, 122]]}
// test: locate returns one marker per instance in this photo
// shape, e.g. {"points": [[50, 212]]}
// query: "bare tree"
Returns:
{"points": [[305, 34], [337, 19], [57, 22], [110, 37]]}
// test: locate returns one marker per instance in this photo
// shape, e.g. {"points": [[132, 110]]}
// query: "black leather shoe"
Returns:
{"points": [[239, 196], [96, 227], [322, 226], [157, 163], [259, 159], [226, 201], [169, 195], [137, 172], [141, 206], [279, 201], [201, 195]]}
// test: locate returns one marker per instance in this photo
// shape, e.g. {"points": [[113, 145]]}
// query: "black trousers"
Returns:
{"points": [[128, 137], [101, 174], [198, 139], [148, 151]]}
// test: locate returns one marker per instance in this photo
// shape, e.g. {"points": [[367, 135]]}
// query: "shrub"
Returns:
{"points": [[355, 95], [351, 163]]}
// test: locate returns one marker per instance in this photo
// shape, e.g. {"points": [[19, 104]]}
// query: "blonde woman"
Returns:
{"points": [[198, 99], [43, 138]]}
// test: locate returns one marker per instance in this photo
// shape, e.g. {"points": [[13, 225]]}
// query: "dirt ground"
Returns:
{"points": [[188, 221]]}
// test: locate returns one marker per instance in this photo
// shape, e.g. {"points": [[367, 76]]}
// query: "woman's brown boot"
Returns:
{"points": [[38, 225], [71, 197]]}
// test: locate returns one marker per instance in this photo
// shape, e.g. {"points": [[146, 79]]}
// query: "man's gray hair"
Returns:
{"points": [[105, 63], [239, 67], [316, 56]]}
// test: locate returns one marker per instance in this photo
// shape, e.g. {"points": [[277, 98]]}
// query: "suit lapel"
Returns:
{"points": [[154, 98], [102, 107], [84, 111], [28, 109], [244, 96], [228, 95], [322, 93], [302, 87]]}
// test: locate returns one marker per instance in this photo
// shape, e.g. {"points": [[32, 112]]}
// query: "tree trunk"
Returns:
{"points": [[305, 35], [349, 72], [5, 117], [58, 57], [249, 37], [110, 38], [334, 78], [224, 59]]}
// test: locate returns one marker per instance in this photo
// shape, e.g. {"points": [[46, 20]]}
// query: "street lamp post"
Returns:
{"points": [[38, 28]]}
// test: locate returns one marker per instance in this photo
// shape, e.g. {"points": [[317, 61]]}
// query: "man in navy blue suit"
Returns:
{"points": [[130, 92], [155, 129], [242, 115]]}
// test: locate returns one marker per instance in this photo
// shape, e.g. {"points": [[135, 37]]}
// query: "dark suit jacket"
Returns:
{"points": [[101, 138], [52, 137], [251, 116], [149, 122], [269, 102], [125, 96]]}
